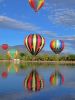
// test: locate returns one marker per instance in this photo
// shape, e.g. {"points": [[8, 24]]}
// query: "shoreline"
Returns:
{"points": [[51, 62]]}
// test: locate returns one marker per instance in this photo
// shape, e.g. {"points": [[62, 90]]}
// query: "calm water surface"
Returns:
{"points": [[12, 82]]}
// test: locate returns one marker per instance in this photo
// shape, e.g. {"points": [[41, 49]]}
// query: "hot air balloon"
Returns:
{"points": [[34, 82], [57, 46], [4, 46], [4, 74], [13, 68], [56, 79], [13, 53], [36, 4], [34, 43]]}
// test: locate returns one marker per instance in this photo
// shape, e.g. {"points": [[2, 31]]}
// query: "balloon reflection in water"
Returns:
{"points": [[4, 74], [13, 68], [34, 82], [56, 79]]}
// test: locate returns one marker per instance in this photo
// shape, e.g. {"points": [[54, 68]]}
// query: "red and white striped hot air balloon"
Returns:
{"points": [[34, 43]]}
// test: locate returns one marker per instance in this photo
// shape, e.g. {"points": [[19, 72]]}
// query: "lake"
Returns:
{"points": [[12, 86]]}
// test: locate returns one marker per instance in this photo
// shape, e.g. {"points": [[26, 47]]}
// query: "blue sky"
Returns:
{"points": [[55, 20]]}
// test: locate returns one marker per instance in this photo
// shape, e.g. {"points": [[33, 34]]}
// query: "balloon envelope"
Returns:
{"points": [[56, 79], [12, 53], [34, 43], [13, 68], [36, 4], [4, 74], [57, 46], [4, 46], [33, 82]]}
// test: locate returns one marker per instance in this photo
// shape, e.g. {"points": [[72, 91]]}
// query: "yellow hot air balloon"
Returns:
{"points": [[13, 53]]}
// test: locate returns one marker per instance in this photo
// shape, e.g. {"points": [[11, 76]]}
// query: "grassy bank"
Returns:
{"points": [[51, 62]]}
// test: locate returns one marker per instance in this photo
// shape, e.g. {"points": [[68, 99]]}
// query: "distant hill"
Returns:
{"points": [[22, 48]]}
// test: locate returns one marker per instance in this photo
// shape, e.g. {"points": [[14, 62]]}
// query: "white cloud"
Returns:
{"points": [[47, 6], [48, 33], [68, 38], [9, 23], [59, 4], [64, 17], [61, 12]]}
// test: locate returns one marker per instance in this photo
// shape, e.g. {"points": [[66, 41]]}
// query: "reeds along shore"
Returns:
{"points": [[51, 62]]}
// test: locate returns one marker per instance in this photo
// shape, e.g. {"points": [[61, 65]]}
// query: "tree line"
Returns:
{"points": [[41, 57]]}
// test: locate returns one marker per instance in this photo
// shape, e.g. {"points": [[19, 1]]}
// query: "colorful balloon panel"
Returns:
{"points": [[36, 4], [4, 46], [34, 43], [57, 46], [13, 68], [13, 53], [33, 82], [56, 79]]}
